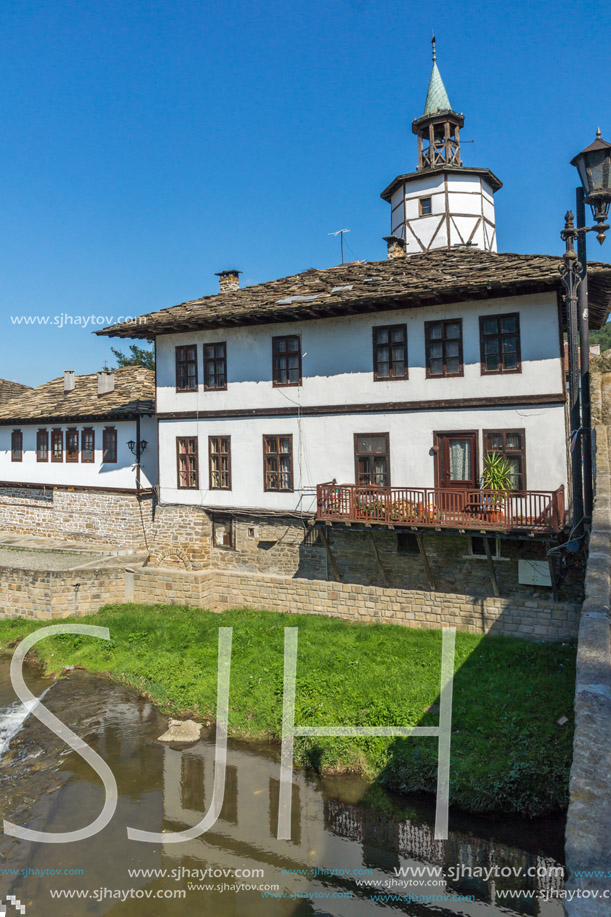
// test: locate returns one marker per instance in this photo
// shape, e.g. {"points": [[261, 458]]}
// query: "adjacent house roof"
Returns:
{"points": [[9, 390], [440, 276], [134, 394]]}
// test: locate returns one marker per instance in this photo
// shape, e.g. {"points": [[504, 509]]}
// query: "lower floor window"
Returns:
{"points": [[187, 463], [109, 445], [278, 463], [220, 462], [478, 546], [16, 446], [72, 445], [223, 532], [372, 459], [87, 445]]}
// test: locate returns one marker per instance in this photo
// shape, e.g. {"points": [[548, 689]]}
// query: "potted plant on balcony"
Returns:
{"points": [[496, 478]]}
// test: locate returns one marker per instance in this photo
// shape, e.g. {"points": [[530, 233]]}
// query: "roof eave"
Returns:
{"points": [[493, 180]]}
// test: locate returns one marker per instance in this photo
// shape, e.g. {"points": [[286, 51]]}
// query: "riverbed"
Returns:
{"points": [[354, 849]]}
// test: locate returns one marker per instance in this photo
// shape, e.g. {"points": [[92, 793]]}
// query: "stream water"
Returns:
{"points": [[354, 835]]}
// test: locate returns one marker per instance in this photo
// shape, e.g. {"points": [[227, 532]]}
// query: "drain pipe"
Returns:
{"points": [[77, 586]]}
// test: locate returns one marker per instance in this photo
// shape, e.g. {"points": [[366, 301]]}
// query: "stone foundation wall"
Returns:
{"points": [[48, 594], [182, 536], [97, 516]]}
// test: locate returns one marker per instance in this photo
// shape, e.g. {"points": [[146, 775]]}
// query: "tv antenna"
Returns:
{"points": [[340, 233]]}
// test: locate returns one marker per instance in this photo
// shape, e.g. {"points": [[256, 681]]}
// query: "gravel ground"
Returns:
{"points": [[42, 560]]}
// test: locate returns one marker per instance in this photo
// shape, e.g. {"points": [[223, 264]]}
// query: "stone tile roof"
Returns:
{"points": [[441, 276], [9, 390], [134, 393]]}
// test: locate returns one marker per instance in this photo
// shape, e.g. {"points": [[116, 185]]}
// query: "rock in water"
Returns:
{"points": [[181, 731]]}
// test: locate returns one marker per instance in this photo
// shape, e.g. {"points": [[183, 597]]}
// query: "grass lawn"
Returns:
{"points": [[508, 753]]}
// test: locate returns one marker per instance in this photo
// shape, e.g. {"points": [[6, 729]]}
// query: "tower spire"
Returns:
{"points": [[436, 97]]}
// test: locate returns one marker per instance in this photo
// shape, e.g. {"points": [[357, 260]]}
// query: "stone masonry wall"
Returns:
{"points": [[589, 816], [97, 516], [182, 536], [44, 595]]}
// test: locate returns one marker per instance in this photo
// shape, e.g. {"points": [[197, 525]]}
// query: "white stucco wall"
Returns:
{"points": [[81, 474], [337, 360], [466, 200], [323, 449]]}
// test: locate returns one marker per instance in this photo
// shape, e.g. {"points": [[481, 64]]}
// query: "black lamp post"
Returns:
{"points": [[594, 167]]}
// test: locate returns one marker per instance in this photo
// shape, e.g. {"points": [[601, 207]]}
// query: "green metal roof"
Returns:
{"points": [[436, 97]]}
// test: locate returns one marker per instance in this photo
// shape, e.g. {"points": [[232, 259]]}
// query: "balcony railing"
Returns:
{"points": [[527, 510]]}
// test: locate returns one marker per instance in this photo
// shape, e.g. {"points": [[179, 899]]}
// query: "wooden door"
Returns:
{"points": [[456, 468]]}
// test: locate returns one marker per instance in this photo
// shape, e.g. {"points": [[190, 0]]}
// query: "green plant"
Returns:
{"points": [[496, 476]]}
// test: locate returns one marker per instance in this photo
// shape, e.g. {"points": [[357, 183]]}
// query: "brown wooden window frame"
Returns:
{"points": [[215, 365], [377, 346], [508, 452], [217, 454], [42, 455], [428, 326], [268, 454], [182, 367], [358, 454], [85, 432], [500, 335], [72, 450], [57, 436], [192, 475], [109, 452], [17, 446], [277, 356], [221, 520], [421, 208]]}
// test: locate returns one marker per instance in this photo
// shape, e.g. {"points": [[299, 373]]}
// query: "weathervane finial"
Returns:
{"points": [[598, 133], [434, 48]]}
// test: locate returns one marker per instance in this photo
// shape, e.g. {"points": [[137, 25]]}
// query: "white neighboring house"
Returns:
{"points": [[65, 445]]}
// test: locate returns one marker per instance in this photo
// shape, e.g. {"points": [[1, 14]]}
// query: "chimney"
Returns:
{"points": [[229, 281], [396, 247], [69, 382], [106, 382]]}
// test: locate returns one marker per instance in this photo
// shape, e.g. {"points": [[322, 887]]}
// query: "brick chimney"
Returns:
{"points": [[106, 382], [69, 381], [229, 281], [396, 247]]}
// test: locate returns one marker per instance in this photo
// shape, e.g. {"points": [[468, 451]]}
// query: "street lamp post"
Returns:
{"points": [[594, 167]]}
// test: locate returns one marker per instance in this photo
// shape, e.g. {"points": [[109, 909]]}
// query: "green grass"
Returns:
{"points": [[508, 753]]}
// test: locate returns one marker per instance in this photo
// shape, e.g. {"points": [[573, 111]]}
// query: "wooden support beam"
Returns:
{"points": [[325, 541], [427, 566], [378, 561], [552, 573], [493, 579]]}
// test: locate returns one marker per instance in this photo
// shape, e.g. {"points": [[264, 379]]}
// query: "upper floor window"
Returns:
{"points": [[72, 445], [187, 462], [88, 445], [286, 360], [219, 453], [390, 352], [512, 445], [500, 343], [372, 459], [443, 348], [186, 368], [57, 446], [42, 446], [215, 366], [16, 446], [426, 206], [278, 463], [109, 445]]}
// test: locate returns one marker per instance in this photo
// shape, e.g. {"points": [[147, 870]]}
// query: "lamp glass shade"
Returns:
{"points": [[594, 167], [132, 446]]}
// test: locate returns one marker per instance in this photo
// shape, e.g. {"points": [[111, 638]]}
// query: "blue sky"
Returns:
{"points": [[147, 144]]}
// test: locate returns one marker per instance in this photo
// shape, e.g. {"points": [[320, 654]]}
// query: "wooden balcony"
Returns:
{"points": [[532, 511]]}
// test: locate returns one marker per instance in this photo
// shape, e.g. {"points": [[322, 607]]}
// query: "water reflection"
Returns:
{"points": [[342, 828]]}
